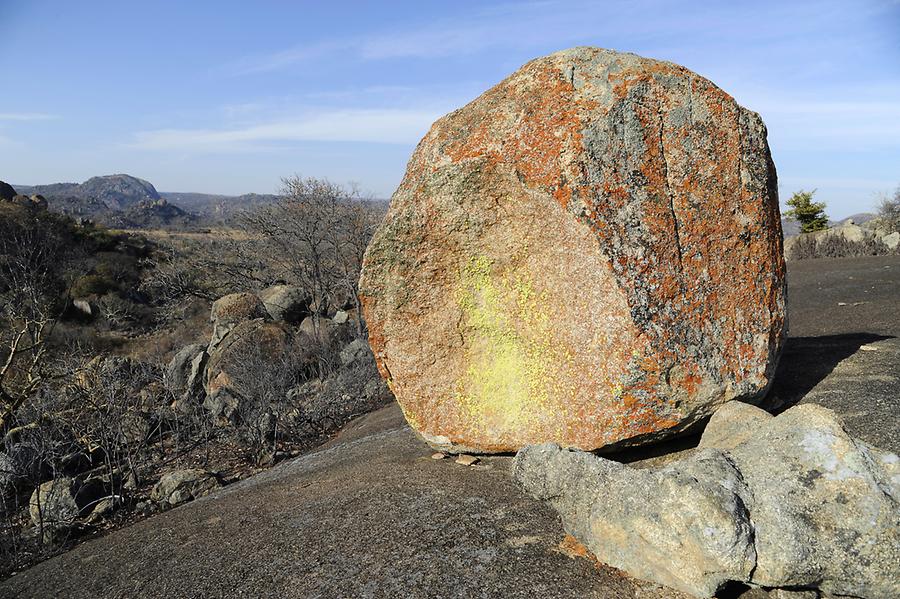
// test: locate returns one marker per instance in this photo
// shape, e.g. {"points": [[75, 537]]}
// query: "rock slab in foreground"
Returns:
{"points": [[798, 503], [590, 253]]}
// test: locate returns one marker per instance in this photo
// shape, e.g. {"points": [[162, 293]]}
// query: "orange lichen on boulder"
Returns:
{"points": [[589, 253]]}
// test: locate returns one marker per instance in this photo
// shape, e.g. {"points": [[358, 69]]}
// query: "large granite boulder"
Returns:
{"points": [[590, 253], [787, 502]]}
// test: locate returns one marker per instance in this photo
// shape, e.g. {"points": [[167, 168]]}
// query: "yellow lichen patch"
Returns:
{"points": [[508, 383]]}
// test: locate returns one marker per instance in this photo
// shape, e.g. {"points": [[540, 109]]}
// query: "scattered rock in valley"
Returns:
{"points": [[589, 253], [791, 501]]}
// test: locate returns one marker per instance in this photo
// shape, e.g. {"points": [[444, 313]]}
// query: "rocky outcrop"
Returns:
{"points": [[589, 253], [791, 501], [113, 191], [35, 202], [847, 238], [891, 240], [178, 487]]}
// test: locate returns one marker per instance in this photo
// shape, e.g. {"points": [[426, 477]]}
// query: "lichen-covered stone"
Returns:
{"points": [[590, 253]]}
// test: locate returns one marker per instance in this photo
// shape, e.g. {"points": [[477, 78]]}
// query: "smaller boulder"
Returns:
{"points": [[232, 309], [54, 502], [325, 330], [58, 503], [83, 307], [341, 317], [286, 303], [180, 368], [180, 486], [39, 202], [892, 240], [850, 231], [732, 424], [779, 502]]}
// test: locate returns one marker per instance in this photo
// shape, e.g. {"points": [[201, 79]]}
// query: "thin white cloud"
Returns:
{"points": [[281, 59], [27, 116], [353, 125]]}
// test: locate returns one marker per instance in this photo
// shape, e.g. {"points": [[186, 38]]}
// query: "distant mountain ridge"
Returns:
{"points": [[125, 201], [217, 206]]}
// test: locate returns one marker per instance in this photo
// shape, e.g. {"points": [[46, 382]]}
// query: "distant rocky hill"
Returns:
{"points": [[116, 192], [127, 202]]}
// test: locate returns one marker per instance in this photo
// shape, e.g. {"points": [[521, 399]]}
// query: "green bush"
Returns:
{"points": [[811, 215]]}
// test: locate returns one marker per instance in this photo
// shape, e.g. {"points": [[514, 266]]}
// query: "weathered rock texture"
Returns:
{"points": [[589, 253], [798, 503]]}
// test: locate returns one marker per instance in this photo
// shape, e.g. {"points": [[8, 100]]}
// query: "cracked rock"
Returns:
{"points": [[798, 503]]}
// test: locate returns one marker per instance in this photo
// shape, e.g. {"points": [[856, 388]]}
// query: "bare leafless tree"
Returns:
{"points": [[34, 257], [316, 236]]}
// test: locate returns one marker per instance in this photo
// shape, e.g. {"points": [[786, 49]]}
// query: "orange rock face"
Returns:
{"points": [[590, 253]]}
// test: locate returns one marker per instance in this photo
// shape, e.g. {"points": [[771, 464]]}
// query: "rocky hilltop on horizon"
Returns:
{"points": [[125, 201], [116, 192]]}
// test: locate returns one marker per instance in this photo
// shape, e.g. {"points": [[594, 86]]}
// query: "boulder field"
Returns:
{"points": [[590, 254]]}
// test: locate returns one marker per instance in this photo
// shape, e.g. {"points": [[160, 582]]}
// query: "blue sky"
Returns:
{"points": [[228, 97]]}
